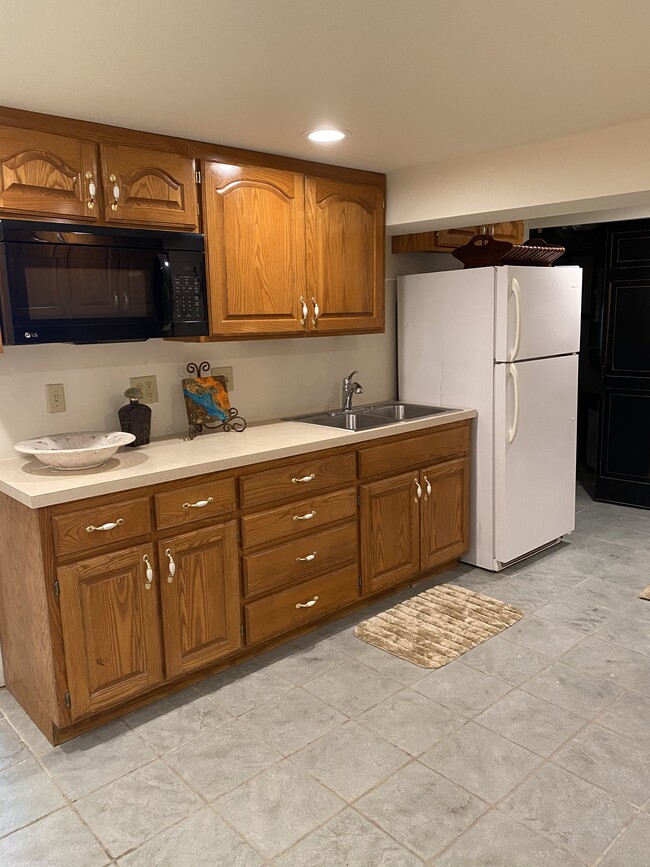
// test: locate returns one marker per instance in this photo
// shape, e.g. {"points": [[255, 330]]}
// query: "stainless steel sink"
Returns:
{"points": [[377, 415], [355, 420], [400, 411]]}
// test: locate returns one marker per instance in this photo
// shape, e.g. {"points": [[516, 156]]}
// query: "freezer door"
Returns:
{"points": [[537, 312], [535, 454]]}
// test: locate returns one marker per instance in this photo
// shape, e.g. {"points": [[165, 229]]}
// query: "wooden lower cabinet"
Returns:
{"points": [[199, 590], [444, 512], [390, 532], [110, 602], [413, 522], [110, 625]]}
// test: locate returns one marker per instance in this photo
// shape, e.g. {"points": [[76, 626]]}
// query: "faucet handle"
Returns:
{"points": [[350, 375]]}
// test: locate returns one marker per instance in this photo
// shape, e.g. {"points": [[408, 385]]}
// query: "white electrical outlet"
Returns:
{"points": [[55, 397], [148, 388], [225, 373]]}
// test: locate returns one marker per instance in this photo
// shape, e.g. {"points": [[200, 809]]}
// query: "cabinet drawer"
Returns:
{"points": [[291, 608], [98, 525], [300, 560], [299, 478], [195, 502], [414, 451], [284, 522]]}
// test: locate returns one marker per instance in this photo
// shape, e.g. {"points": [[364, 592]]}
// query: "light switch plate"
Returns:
{"points": [[225, 373], [55, 397]]}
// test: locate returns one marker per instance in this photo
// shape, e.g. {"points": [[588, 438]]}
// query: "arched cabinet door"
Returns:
{"points": [[149, 187], [345, 256], [255, 236], [46, 175]]}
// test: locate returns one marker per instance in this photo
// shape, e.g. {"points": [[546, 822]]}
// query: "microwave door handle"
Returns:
{"points": [[167, 293]]}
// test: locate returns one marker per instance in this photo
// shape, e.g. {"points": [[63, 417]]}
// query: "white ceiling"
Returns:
{"points": [[414, 80]]}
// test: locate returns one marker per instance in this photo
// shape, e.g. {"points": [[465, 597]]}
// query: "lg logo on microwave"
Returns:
{"points": [[29, 334]]}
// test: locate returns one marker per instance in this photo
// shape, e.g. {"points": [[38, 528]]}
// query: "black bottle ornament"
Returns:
{"points": [[135, 418]]}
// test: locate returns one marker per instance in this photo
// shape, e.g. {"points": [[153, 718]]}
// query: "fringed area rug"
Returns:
{"points": [[438, 625], [645, 594]]}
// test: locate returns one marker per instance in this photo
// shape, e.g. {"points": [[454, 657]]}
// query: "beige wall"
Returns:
{"points": [[273, 378], [579, 174]]}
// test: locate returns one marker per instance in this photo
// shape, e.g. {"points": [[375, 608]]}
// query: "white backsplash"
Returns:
{"points": [[273, 378]]}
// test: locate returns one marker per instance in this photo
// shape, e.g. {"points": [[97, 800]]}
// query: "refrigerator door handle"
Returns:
{"points": [[514, 285], [512, 433]]}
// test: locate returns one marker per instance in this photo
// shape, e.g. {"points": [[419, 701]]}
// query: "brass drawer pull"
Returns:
{"points": [[309, 478], [418, 491], [149, 572], [428, 484], [309, 604], [200, 504], [110, 526], [307, 559], [307, 517], [305, 311]]}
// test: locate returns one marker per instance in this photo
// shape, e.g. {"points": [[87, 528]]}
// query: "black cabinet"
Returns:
{"points": [[623, 465]]}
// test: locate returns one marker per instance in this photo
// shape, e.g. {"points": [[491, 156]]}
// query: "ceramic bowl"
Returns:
{"points": [[75, 451]]}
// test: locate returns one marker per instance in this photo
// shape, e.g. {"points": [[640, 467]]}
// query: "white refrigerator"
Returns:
{"points": [[504, 341]]}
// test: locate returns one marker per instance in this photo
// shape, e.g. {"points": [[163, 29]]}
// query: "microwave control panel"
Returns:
{"points": [[189, 302]]}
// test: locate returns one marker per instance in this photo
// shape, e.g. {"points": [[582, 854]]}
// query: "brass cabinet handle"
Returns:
{"points": [[149, 572], [418, 491], [309, 604], [116, 192], [307, 559], [111, 525], [200, 504], [172, 566], [428, 492], [314, 320], [90, 204], [305, 310], [306, 517], [309, 478]]}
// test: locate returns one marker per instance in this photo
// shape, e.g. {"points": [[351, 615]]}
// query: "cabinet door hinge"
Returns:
{"points": [[57, 589], [358, 499], [66, 698], [359, 582], [241, 630], [197, 177]]}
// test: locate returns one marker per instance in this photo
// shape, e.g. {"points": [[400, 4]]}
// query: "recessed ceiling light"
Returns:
{"points": [[326, 135]]}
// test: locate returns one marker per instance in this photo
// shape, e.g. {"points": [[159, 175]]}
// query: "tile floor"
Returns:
{"points": [[532, 749]]}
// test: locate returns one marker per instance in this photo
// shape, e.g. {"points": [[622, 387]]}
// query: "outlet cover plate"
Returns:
{"points": [[225, 373], [55, 397], [148, 388]]}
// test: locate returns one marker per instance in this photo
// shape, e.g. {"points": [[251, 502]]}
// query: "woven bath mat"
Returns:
{"points": [[438, 625], [645, 594]]}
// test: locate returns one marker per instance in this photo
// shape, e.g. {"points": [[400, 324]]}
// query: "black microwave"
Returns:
{"points": [[94, 284]]}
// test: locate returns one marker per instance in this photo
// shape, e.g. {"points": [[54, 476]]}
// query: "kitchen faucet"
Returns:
{"points": [[350, 388]]}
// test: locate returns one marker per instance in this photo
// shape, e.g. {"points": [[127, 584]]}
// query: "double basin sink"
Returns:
{"points": [[377, 415]]}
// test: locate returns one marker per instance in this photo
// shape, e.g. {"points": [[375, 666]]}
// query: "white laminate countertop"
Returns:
{"points": [[165, 460]]}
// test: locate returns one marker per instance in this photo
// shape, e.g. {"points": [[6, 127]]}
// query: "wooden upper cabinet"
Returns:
{"points": [[200, 604], [447, 240], [110, 625], [345, 255], [254, 227], [45, 175], [149, 187]]}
